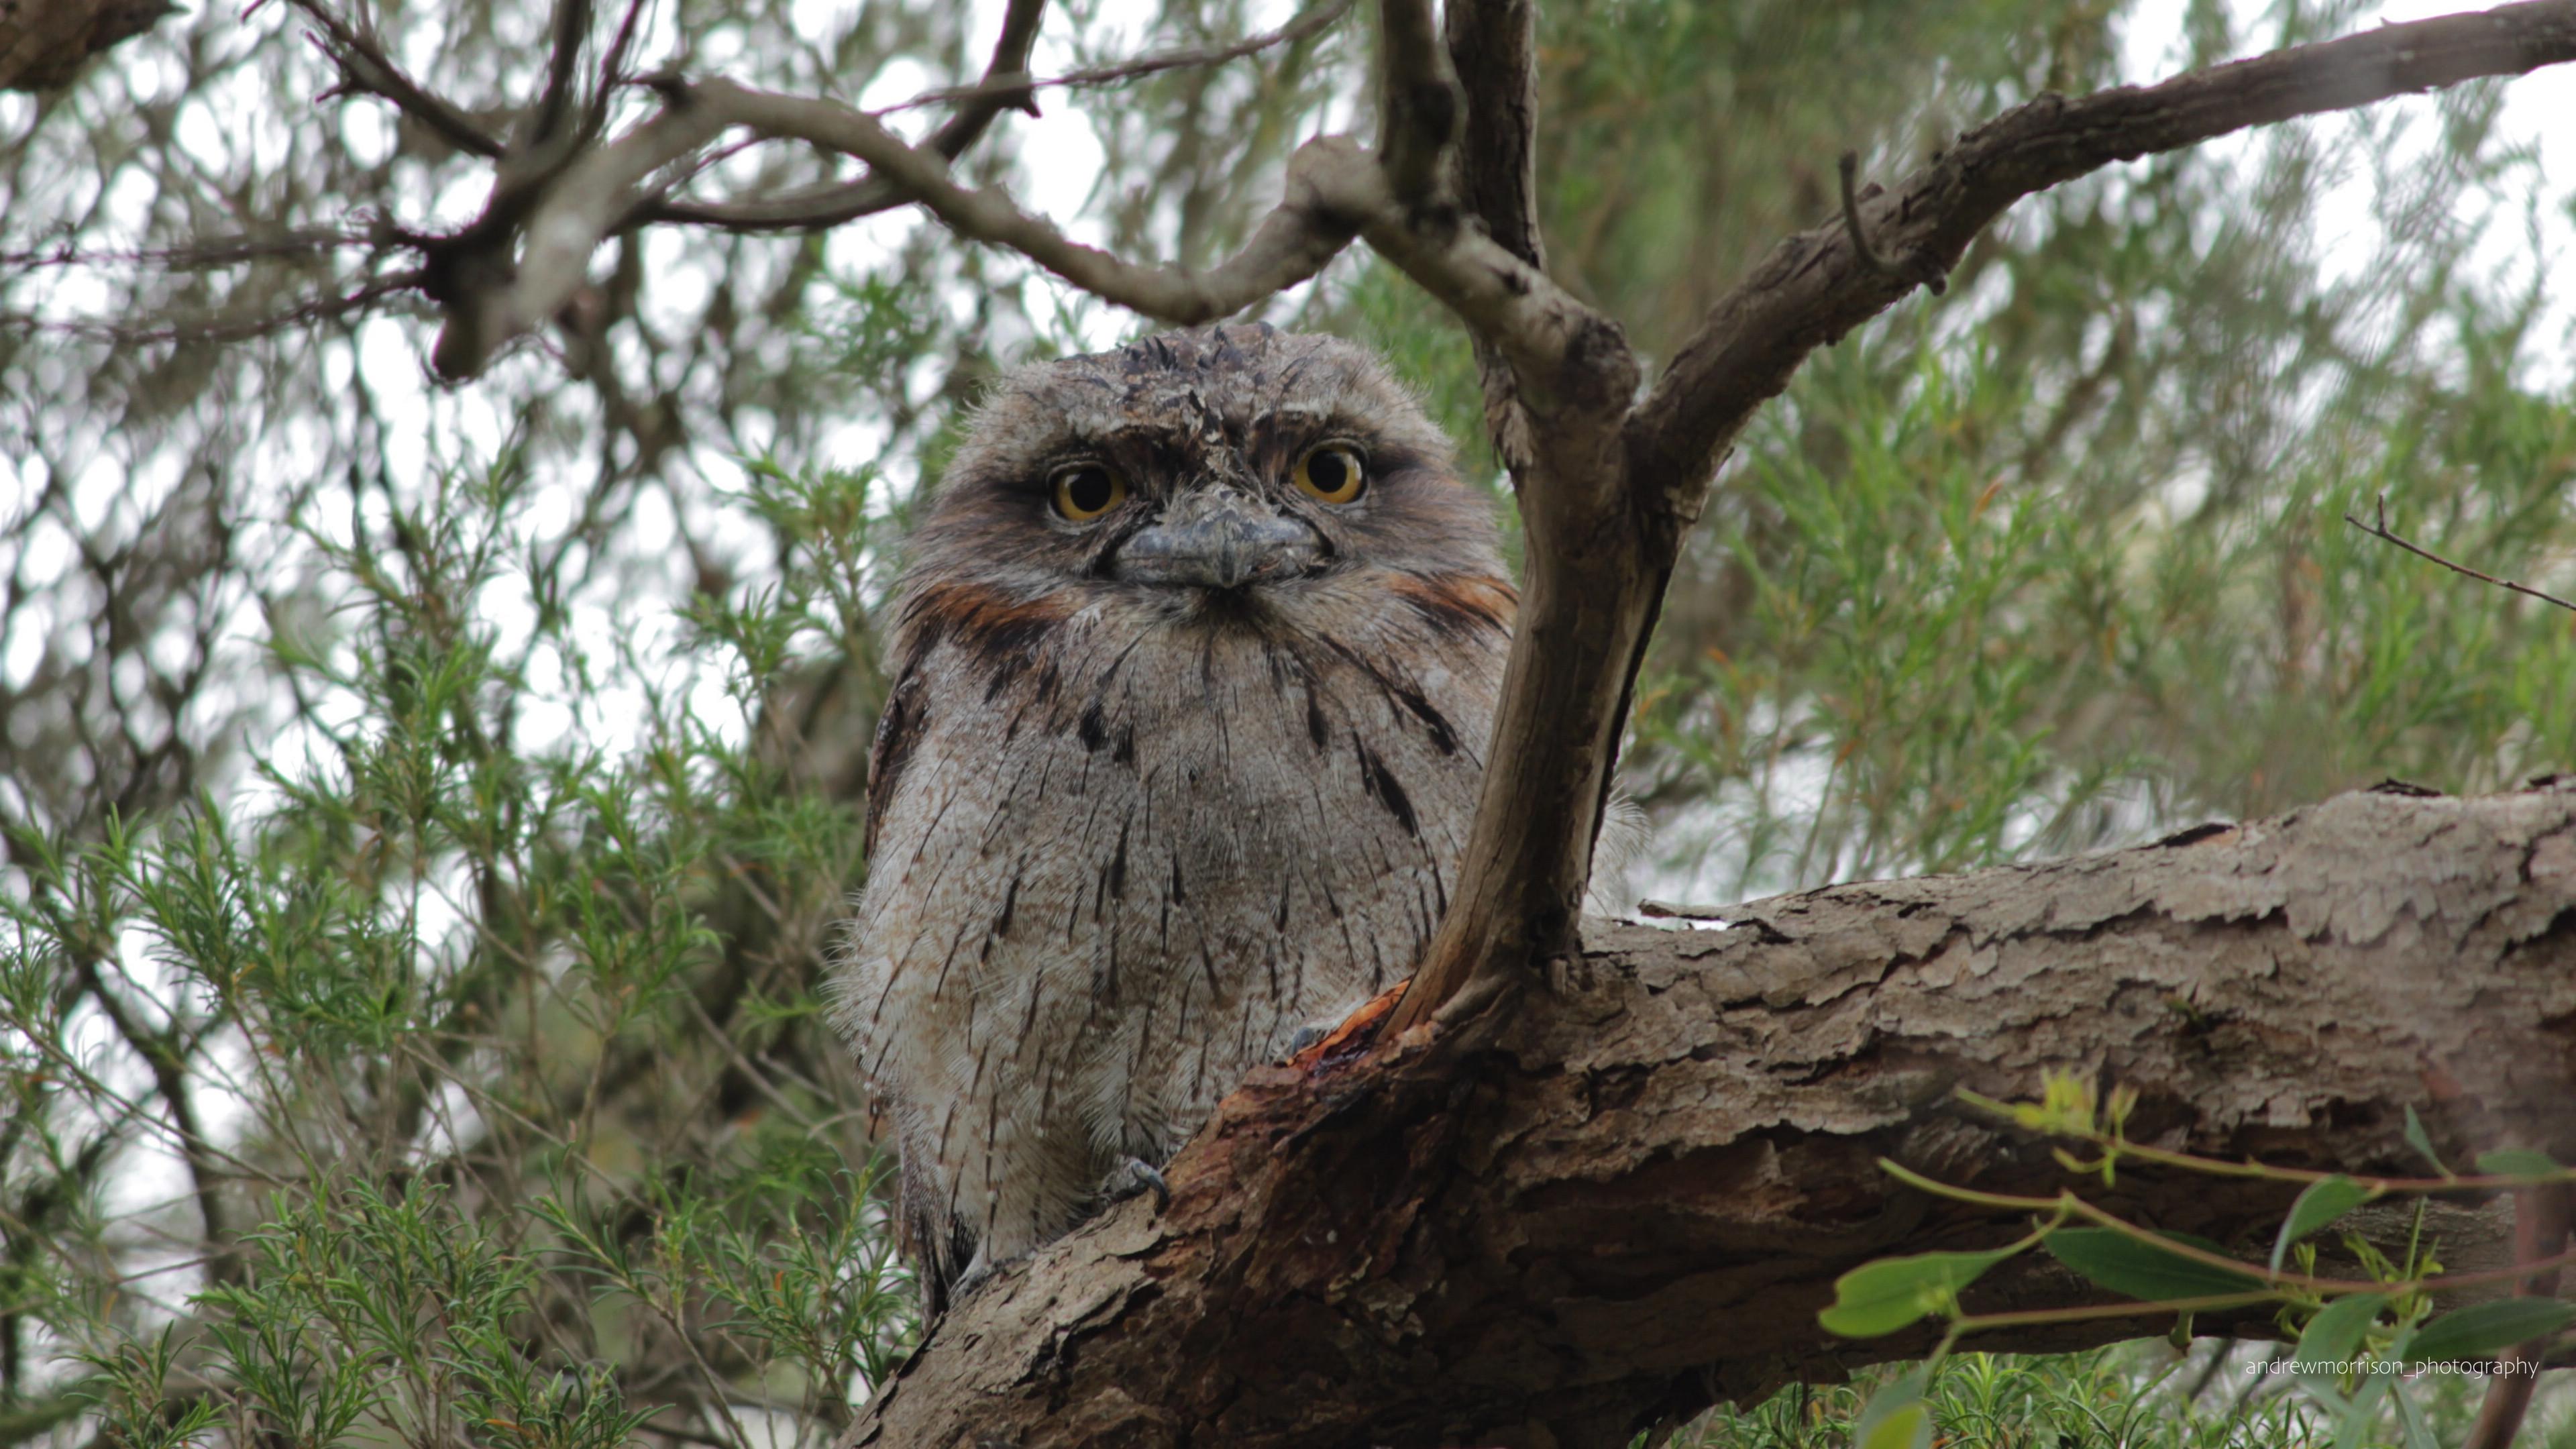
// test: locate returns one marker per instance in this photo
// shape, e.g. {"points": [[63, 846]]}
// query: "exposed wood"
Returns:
{"points": [[1634, 1199]]}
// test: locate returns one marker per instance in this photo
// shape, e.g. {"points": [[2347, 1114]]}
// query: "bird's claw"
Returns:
{"points": [[1135, 1177]]}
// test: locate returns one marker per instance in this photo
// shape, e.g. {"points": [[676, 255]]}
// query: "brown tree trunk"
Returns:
{"points": [[1615, 1200]]}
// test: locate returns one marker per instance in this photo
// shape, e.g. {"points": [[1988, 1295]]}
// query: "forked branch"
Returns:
{"points": [[1583, 629]]}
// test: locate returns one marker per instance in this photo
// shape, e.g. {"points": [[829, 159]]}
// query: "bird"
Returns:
{"points": [[1194, 662]]}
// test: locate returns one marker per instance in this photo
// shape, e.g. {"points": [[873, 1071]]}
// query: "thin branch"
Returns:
{"points": [[569, 28], [1418, 105], [200, 255], [1814, 287], [1303, 26], [1307, 229], [364, 66], [318, 309], [835, 202], [2380, 531]]}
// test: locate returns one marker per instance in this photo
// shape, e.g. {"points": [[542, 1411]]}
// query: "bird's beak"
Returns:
{"points": [[1217, 538]]}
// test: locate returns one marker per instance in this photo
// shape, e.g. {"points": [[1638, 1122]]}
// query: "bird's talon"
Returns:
{"points": [[1135, 1177]]}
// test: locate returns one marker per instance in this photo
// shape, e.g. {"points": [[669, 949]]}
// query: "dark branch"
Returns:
{"points": [[1813, 288], [229, 329], [1493, 49], [2380, 531], [569, 28], [1300, 28], [1418, 105], [364, 67]]}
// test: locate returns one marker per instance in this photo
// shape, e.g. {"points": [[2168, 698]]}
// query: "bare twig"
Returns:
{"points": [[570, 27], [1809, 291], [318, 309], [1326, 181], [364, 67], [612, 69], [2380, 531], [196, 256], [835, 202], [1303, 26]]}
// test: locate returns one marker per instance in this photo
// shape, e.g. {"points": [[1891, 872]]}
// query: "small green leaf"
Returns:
{"points": [[2323, 1202], [2335, 1334], [1882, 1297], [1895, 1417], [2482, 1330], [2138, 1270], [2422, 1141], [2517, 1162]]}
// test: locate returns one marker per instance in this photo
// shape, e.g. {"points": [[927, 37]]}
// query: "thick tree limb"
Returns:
{"points": [[1633, 1201], [1583, 626]]}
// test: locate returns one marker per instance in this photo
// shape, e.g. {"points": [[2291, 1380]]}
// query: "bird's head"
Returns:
{"points": [[1235, 472]]}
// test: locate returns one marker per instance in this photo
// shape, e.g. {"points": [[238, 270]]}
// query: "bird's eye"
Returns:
{"points": [[1333, 473], [1084, 491]]}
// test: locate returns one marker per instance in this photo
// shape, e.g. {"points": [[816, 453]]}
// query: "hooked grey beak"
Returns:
{"points": [[1217, 538]]}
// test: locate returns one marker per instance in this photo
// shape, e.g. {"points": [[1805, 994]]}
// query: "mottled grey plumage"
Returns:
{"points": [[1157, 788]]}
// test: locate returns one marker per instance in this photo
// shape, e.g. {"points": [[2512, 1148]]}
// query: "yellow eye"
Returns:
{"points": [[1333, 473], [1084, 491]]}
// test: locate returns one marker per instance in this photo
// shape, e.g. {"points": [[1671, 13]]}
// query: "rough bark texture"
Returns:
{"points": [[1625, 1195], [43, 43]]}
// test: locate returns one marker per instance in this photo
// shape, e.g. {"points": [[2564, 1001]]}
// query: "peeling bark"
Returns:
{"points": [[1624, 1195]]}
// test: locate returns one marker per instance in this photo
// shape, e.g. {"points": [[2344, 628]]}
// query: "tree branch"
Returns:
{"points": [[1633, 1202], [1311, 224], [1303, 26], [836, 202], [1812, 288], [2380, 531], [1493, 47], [364, 66], [1604, 533]]}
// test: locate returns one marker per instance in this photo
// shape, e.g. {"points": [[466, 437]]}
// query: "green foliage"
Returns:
{"points": [[462, 997], [2319, 1203], [2136, 1269], [1892, 1293], [2137, 1396], [2359, 1335]]}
